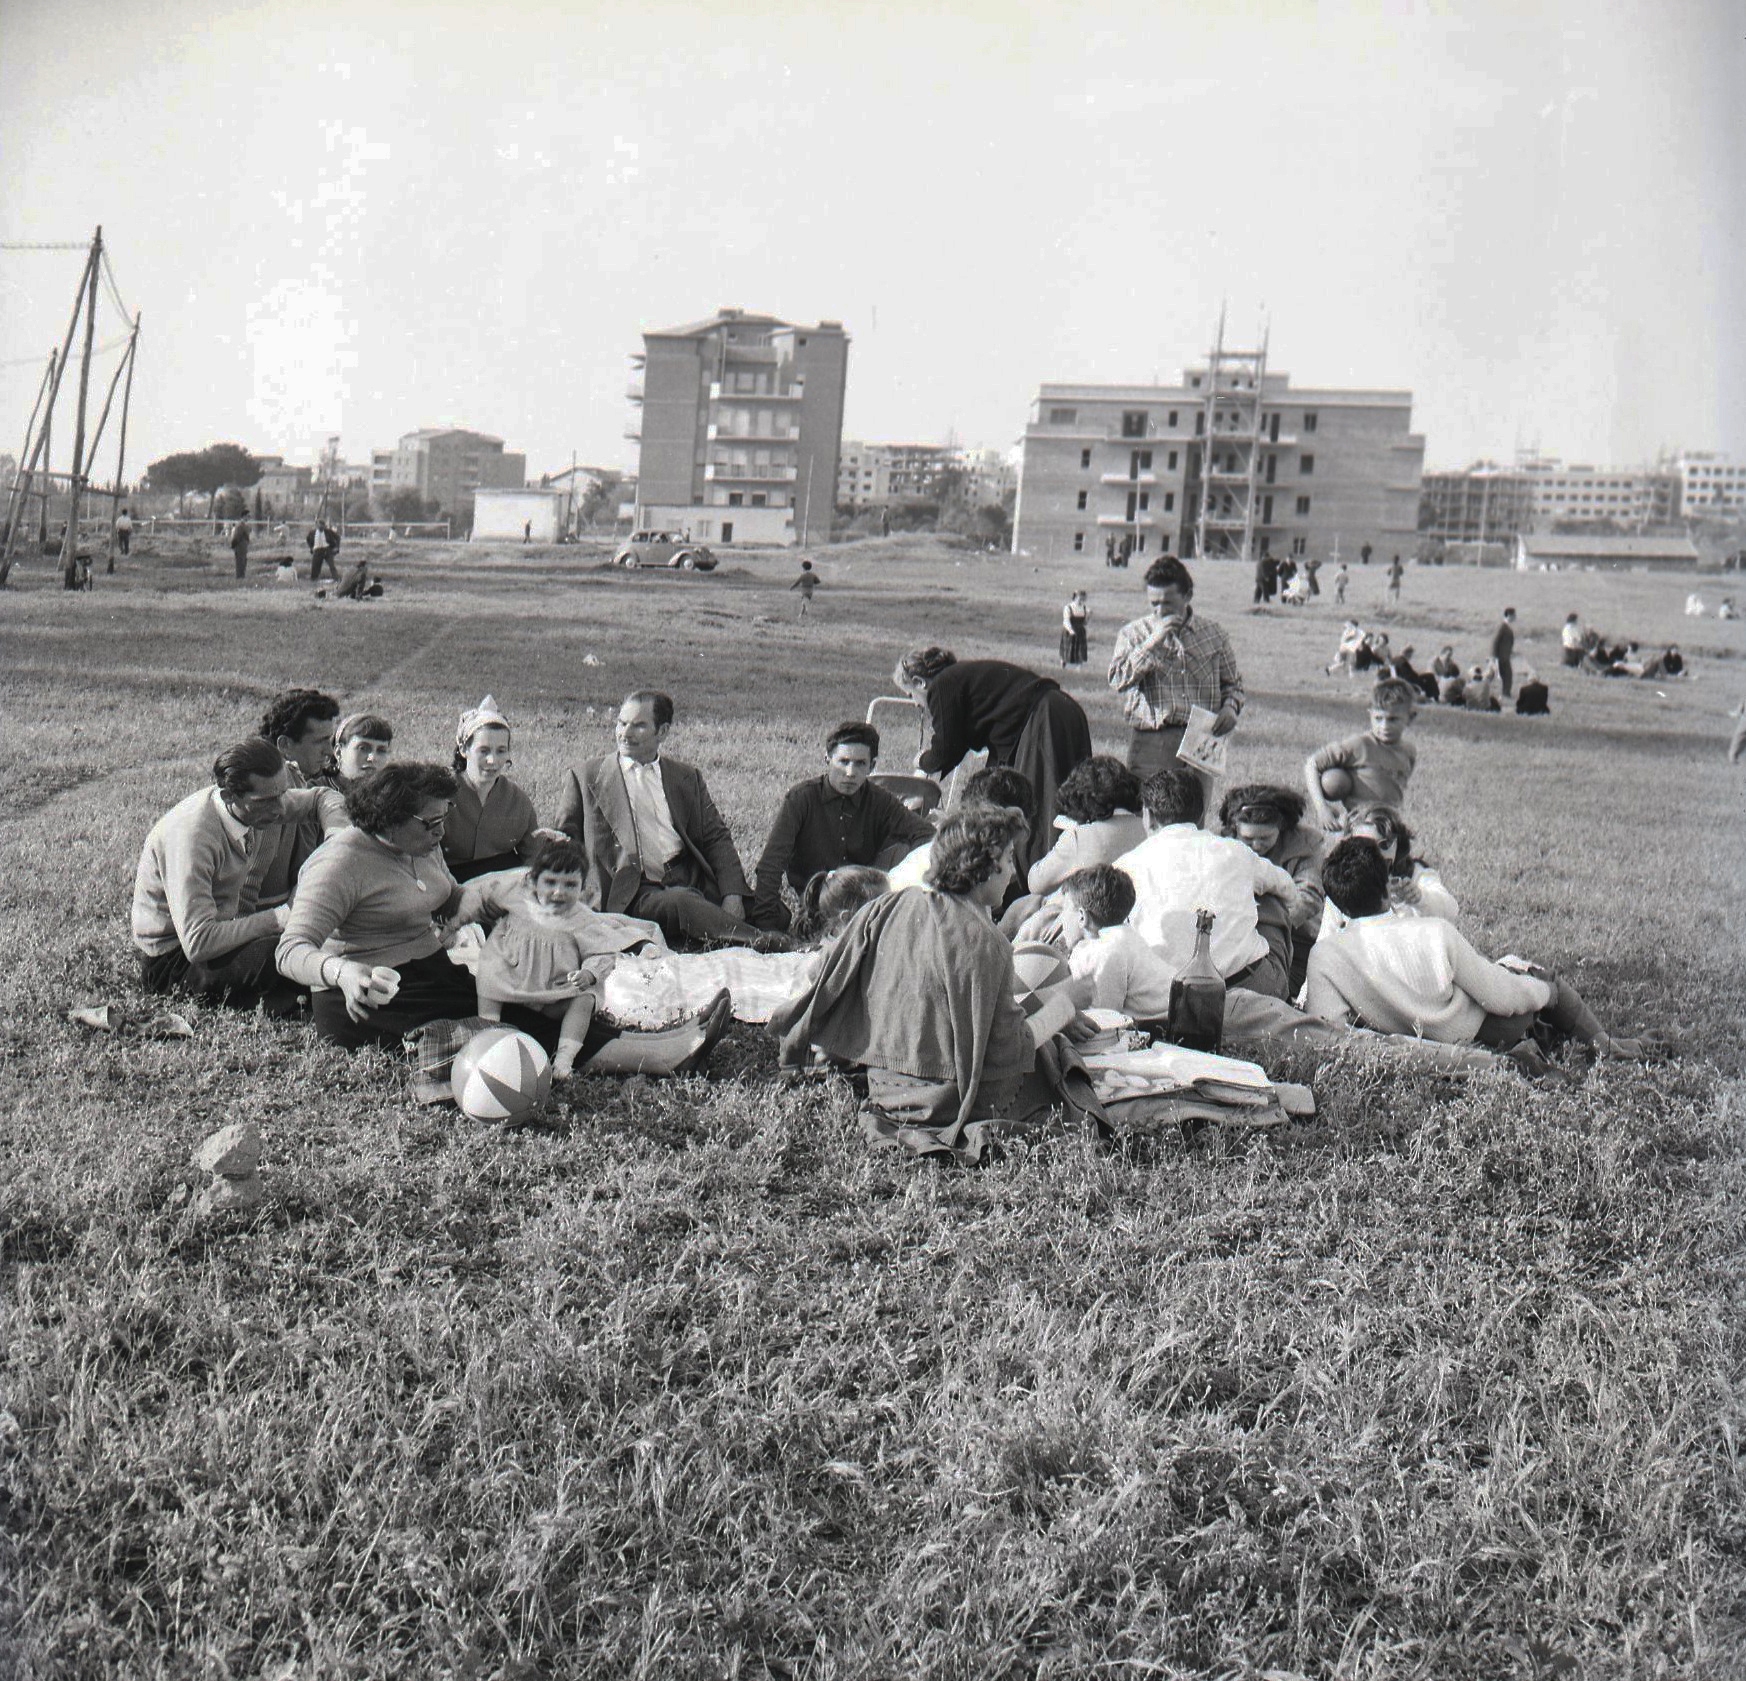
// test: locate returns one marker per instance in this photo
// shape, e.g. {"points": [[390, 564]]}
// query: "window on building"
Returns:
{"points": [[1306, 465], [1309, 421], [1169, 501], [1145, 500], [1063, 417], [1133, 504], [1079, 542], [1133, 423], [1084, 497], [1085, 458], [1300, 545], [1200, 424], [1302, 506], [1194, 382], [736, 499], [1266, 510], [1170, 461], [1145, 461], [1173, 417], [759, 499]]}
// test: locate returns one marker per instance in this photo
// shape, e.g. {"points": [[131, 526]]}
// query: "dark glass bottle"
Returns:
{"points": [[1197, 996]]}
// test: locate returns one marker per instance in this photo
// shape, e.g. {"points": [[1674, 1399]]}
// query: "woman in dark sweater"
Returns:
{"points": [[1018, 718]]}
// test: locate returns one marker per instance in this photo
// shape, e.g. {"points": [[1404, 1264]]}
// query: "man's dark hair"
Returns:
{"points": [[661, 701], [1167, 570], [1173, 796], [1286, 804], [1097, 789], [291, 713], [969, 848], [242, 762], [388, 797], [1000, 785], [855, 735], [1355, 877], [1103, 892]]}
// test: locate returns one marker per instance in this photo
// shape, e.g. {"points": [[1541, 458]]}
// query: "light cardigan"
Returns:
{"points": [[1415, 975], [192, 877], [358, 898]]}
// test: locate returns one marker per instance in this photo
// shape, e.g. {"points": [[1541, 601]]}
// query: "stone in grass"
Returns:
{"points": [[233, 1152], [226, 1196]]}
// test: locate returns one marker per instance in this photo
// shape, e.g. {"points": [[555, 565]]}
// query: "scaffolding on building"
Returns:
{"points": [[1229, 451]]}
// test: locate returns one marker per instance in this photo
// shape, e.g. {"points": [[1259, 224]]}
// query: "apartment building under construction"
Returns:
{"points": [[1229, 462]]}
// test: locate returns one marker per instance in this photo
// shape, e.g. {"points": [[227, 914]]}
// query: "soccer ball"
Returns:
{"points": [[1036, 967], [1336, 783], [501, 1075]]}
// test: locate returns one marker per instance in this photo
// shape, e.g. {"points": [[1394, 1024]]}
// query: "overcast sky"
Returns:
{"points": [[364, 218]]}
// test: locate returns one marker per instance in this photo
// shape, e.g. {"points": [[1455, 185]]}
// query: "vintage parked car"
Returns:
{"points": [[664, 548]]}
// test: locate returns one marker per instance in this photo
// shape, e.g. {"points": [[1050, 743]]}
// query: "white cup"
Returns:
{"points": [[384, 983]]}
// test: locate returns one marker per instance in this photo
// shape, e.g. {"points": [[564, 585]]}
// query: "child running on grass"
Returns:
{"points": [[1374, 767], [1125, 973], [807, 584], [552, 952]]}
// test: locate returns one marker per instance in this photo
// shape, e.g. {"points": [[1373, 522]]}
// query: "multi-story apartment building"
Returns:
{"points": [[739, 425], [1709, 484], [445, 465], [1630, 497], [1483, 503], [899, 475], [1289, 471]]}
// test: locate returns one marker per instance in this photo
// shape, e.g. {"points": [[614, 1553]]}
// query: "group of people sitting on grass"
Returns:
{"points": [[1479, 686], [1590, 650], [412, 900]]}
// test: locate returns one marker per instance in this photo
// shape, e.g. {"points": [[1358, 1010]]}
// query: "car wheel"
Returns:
{"points": [[687, 563]]}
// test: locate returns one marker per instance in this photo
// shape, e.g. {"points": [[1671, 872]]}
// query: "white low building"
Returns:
{"points": [[543, 515]]}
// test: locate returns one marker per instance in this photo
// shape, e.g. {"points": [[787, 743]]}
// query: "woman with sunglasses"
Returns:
{"points": [[363, 932]]}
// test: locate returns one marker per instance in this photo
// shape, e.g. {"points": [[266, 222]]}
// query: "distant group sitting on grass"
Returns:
{"points": [[402, 902]]}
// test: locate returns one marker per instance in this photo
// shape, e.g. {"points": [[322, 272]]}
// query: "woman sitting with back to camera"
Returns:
{"points": [[918, 991]]}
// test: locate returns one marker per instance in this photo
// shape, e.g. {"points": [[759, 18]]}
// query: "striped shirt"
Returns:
{"points": [[1190, 666]]}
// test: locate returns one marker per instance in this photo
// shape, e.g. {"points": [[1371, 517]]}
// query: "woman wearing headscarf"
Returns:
{"points": [[492, 824]]}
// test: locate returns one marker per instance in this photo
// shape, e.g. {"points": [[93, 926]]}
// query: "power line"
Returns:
{"points": [[114, 289], [81, 245]]}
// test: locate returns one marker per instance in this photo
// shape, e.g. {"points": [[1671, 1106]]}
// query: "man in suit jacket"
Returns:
{"points": [[656, 845]]}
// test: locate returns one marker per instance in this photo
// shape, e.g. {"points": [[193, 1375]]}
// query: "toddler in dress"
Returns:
{"points": [[551, 952]]}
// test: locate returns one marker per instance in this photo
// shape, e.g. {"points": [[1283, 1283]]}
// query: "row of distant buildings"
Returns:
{"points": [[737, 422], [1488, 503]]}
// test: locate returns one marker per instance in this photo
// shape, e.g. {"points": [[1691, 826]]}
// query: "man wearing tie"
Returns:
{"points": [[656, 845]]}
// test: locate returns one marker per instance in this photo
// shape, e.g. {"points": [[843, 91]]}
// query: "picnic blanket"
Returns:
{"points": [[1140, 1089]]}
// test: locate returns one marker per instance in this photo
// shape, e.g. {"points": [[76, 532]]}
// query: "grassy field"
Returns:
{"points": [[1443, 1382]]}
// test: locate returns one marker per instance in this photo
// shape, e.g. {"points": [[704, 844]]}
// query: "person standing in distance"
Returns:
{"points": [[1167, 662], [1503, 645]]}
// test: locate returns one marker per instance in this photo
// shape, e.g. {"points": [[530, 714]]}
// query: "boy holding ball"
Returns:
{"points": [[1368, 769]]}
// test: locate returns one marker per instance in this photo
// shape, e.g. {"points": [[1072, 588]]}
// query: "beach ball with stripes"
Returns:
{"points": [[1036, 969], [501, 1075]]}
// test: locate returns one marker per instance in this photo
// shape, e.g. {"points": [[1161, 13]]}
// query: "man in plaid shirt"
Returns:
{"points": [[1167, 662]]}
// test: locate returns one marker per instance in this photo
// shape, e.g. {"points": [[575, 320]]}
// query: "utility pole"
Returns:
{"points": [[59, 365], [70, 544], [121, 448]]}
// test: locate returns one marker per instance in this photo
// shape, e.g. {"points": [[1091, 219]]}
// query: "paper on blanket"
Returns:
{"points": [[1182, 1068], [1200, 747]]}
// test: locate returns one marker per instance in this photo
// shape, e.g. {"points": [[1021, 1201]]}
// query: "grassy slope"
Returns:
{"points": [[693, 1385]]}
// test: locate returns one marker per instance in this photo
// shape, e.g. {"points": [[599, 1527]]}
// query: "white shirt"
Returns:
{"points": [[652, 818], [1182, 869], [911, 870], [1126, 974]]}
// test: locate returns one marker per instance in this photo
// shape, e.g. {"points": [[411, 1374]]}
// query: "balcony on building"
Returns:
{"points": [[715, 431], [792, 394], [1142, 479], [1121, 521], [724, 472]]}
